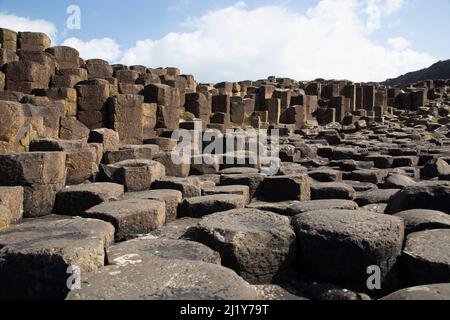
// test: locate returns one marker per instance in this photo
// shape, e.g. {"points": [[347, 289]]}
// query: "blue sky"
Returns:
{"points": [[407, 33]]}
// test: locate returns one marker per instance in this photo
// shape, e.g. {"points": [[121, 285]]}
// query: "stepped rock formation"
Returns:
{"points": [[353, 184]]}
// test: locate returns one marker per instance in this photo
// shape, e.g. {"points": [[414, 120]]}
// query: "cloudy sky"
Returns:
{"points": [[361, 40]]}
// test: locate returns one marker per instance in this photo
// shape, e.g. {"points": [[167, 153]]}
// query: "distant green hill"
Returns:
{"points": [[439, 70]]}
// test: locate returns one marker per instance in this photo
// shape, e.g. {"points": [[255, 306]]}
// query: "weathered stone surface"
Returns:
{"points": [[92, 95], [204, 164], [381, 161], [337, 246], [374, 196], [81, 159], [44, 120], [430, 292], [199, 207], [372, 176], [145, 250], [434, 195], [149, 119], [172, 199], [5, 217], [332, 190], [326, 175], [66, 57], [36, 255], [198, 281], [288, 169], [398, 181], [72, 129], [239, 190], [173, 230], [68, 78], [426, 258], [421, 220], [329, 292], [108, 138], [130, 218], [180, 168], [294, 187], [435, 168], [98, 68], [12, 121], [131, 152], [69, 96], [125, 117], [189, 187], [41, 173], [11, 199], [25, 76], [135, 175], [8, 39], [75, 200], [39, 200], [33, 41], [275, 207], [316, 205], [252, 180], [245, 240], [275, 293]]}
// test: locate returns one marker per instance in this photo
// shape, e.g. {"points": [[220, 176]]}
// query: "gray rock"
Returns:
{"points": [[202, 206], [271, 292], [314, 205], [237, 190], [189, 187], [252, 180], [427, 292], [246, 240], [75, 200], [426, 258], [373, 176], [375, 196], [172, 199], [326, 175], [332, 190], [421, 220], [432, 195], [284, 188], [275, 207], [164, 280], [398, 181], [36, 255], [337, 246], [135, 175], [173, 230], [435, 168], [131, 218], [146, 249]]}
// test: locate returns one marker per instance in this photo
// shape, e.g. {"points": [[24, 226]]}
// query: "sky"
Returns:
{"points": [[233, 40]]}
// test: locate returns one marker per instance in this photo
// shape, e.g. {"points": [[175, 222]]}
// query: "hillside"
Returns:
{"points": [[439, 70]]}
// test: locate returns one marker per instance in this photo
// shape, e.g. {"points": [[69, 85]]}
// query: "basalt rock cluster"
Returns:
{"points": [[92, 205]]}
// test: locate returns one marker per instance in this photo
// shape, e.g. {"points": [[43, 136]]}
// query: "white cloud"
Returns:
{"points": [[331, 40], [399, 43], [376, 9], [16, 23], [105, 48]]}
